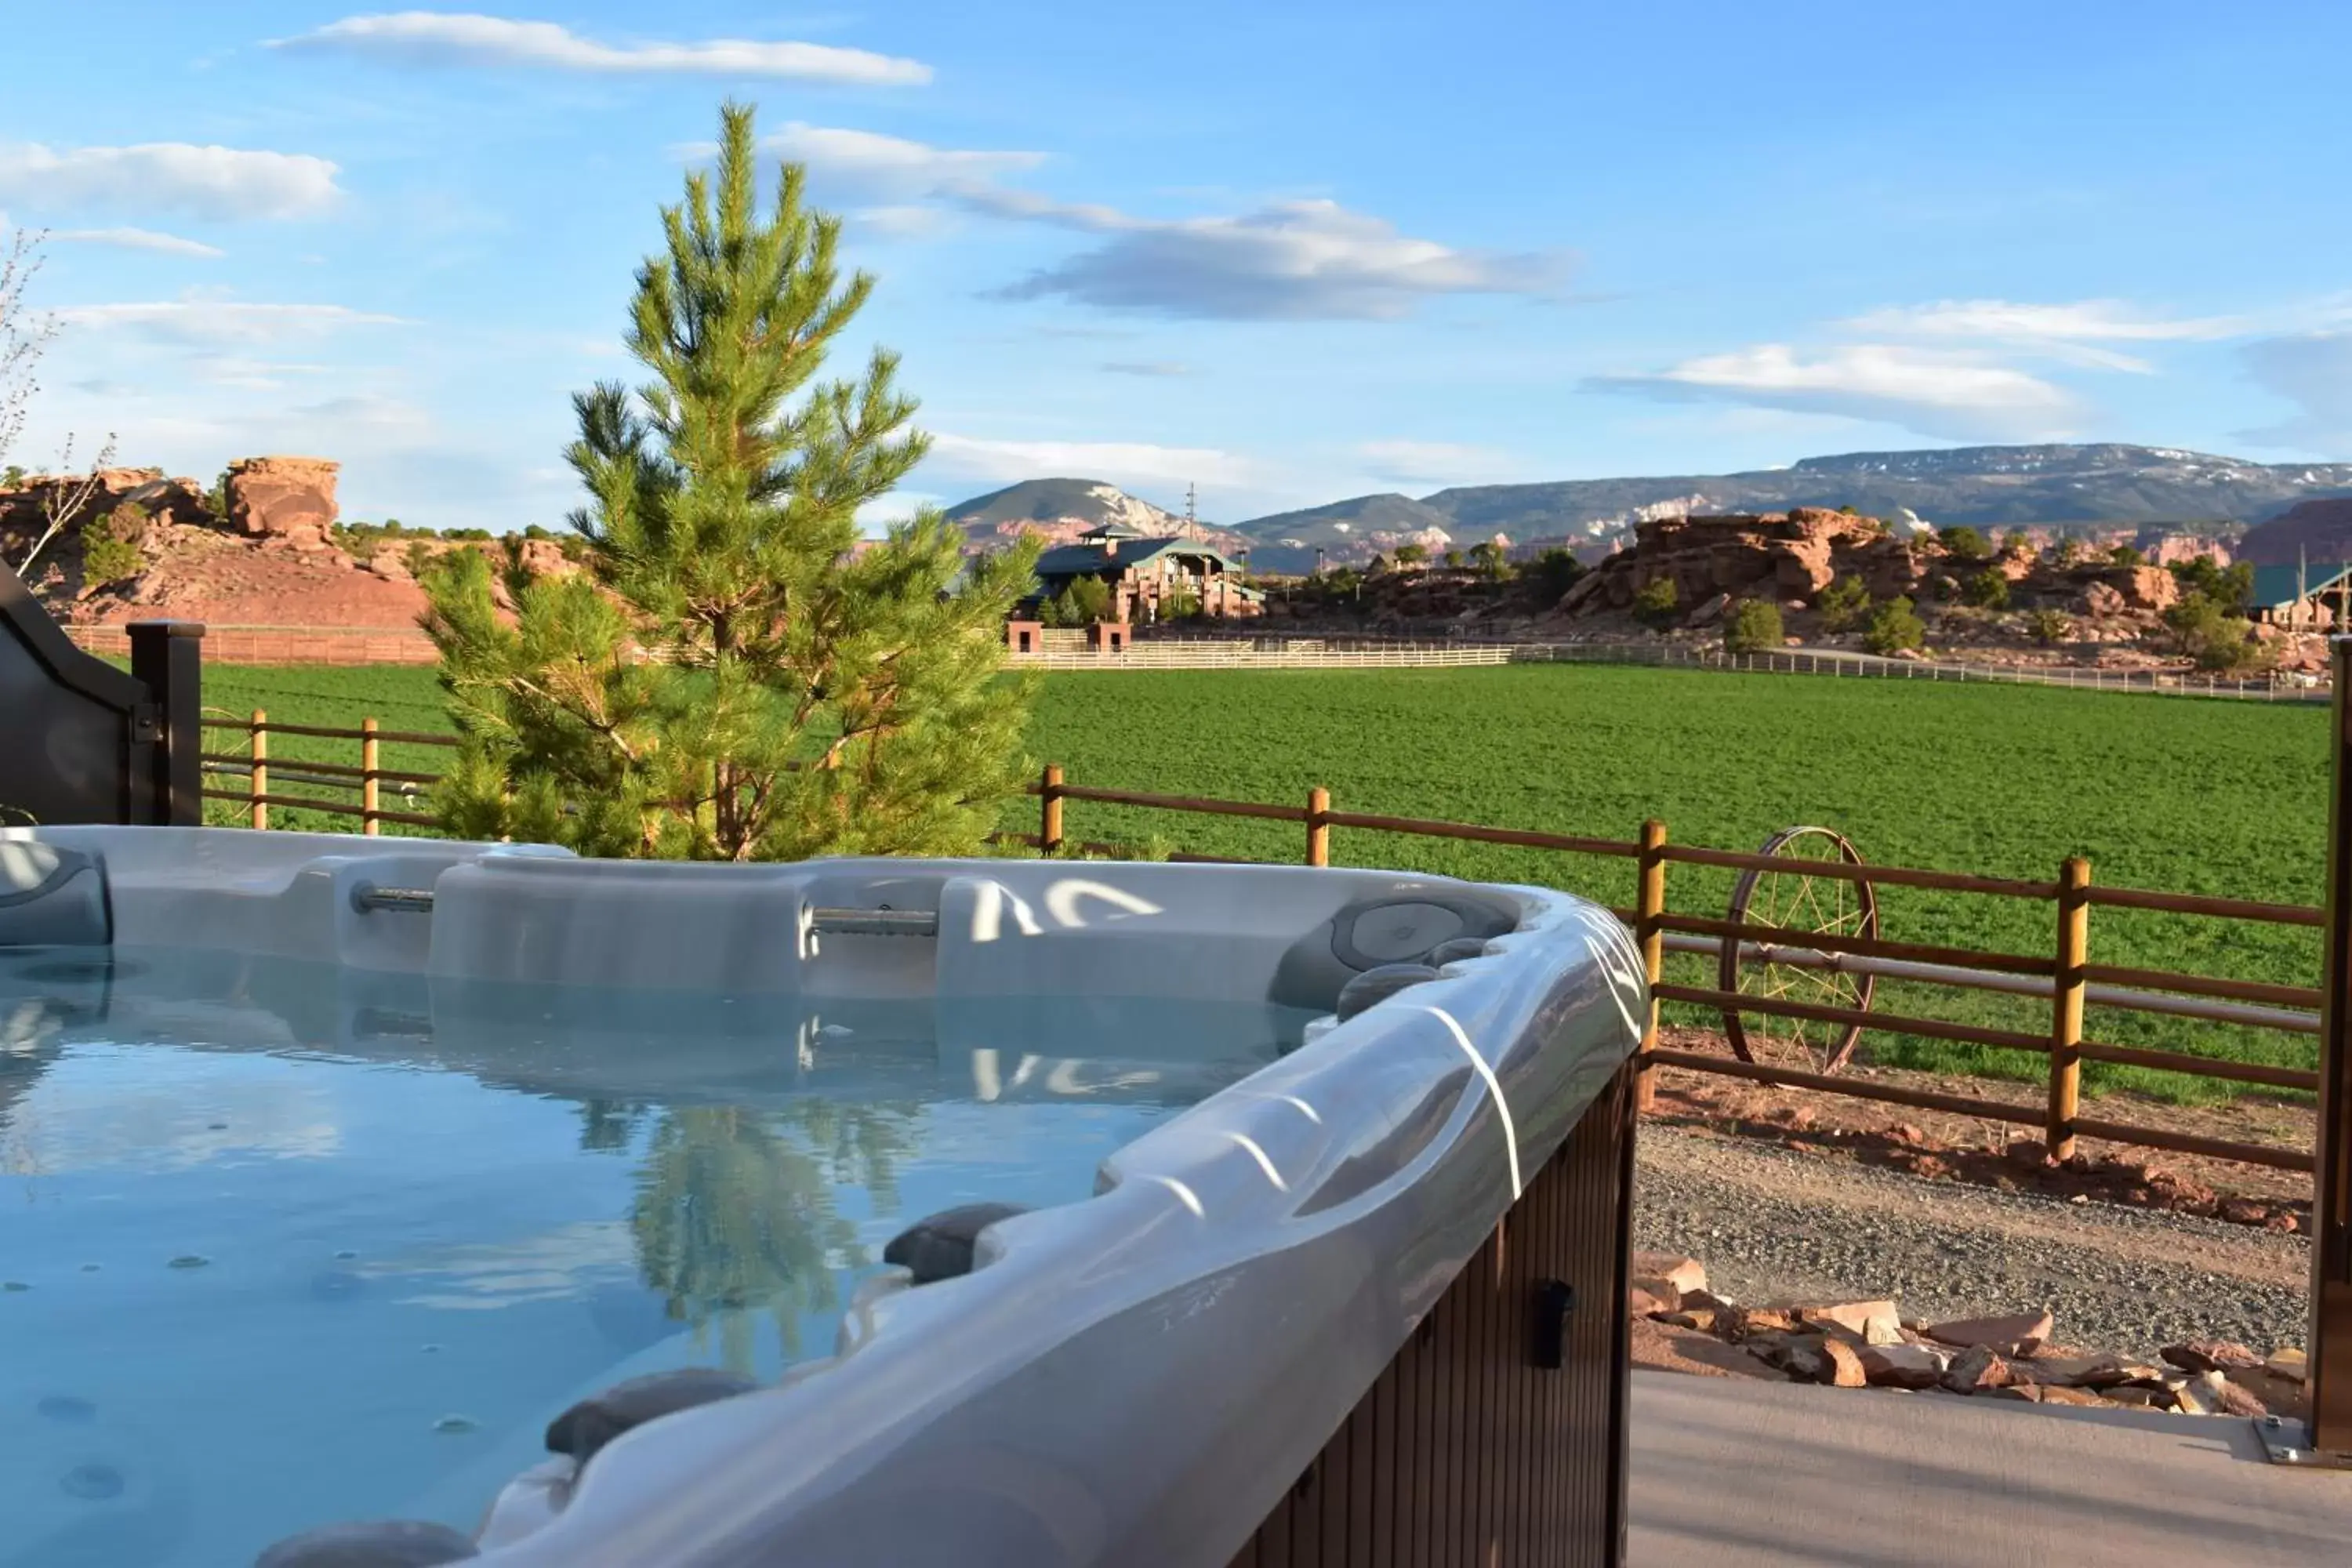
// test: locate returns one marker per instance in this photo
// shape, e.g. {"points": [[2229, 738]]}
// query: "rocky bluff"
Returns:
{"points": [[290, 501], [1789, 557]]}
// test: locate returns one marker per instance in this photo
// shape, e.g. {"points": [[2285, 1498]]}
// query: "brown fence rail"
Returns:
{"points": [[2064, 980], [366, 778]]}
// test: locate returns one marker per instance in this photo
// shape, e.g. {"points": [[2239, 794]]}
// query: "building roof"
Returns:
{"points": [[1086, 560], [1111, 528], [2274, 586]]}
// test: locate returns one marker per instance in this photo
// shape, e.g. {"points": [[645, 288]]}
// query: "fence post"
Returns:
{"points": [[260, 776], [2328, 1345], [1049, 811], [1318, 831], [368, 824], [1649, 904], [2066, 1006]]}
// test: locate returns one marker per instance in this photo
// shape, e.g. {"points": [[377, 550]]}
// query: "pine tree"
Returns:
{"points": [[729, 678]]}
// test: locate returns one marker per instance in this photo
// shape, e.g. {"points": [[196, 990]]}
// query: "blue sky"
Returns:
{"points": [[1291, 253]]}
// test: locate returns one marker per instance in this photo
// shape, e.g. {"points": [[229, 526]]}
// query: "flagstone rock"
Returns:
{"points": [[2019, 1334], [2210, 1355], [1905, 1366], [1873, 1322], [1976, 1369], [1687, 1274]]}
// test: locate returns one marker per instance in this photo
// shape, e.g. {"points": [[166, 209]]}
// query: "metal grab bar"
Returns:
{"points": [[874, 922], [368, 896]]}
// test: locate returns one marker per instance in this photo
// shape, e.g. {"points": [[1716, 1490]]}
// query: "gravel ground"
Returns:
{"points": [[1776, 1226]]}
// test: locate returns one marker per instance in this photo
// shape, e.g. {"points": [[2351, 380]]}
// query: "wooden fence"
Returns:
{"points": [[2065, 977], [366, 780], [282, 645]]}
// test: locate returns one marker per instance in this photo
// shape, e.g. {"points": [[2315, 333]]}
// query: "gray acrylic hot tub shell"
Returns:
{"points": [[1134, 1379]]}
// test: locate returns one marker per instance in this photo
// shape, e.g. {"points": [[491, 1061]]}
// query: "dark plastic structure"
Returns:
{"points": [[1499, 1432], [83, 741]]}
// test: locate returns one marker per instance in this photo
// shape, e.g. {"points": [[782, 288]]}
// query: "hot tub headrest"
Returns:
{"points": [[385, 1543], [596, 1421], [1407, 926], [52, 896]]}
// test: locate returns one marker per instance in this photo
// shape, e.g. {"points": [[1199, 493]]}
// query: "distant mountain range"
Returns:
{"points": [[1061, 509], [1983, 486]]}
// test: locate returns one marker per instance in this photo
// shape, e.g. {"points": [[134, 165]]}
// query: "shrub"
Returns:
{"points": [[1081, 603], [2125, 556], [110, 548], [2014, 543], [1753, 625], [1964, 544], [2052, 627], [1182, 605], [1453, 558], [1894, 628], [1658, 604], [2233, 589], [1411, 554], [2066, 551], [1489, 558], [1554, 572], [1843, 604], [1987, 591], [2212, 637]]}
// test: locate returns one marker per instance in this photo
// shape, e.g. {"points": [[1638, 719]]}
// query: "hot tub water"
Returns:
{"points": [[276, 1254]]}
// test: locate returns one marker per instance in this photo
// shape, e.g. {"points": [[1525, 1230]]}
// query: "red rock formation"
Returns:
{"points": [[286, 499], [1768, 554], [171, 500], [2316, 531]]}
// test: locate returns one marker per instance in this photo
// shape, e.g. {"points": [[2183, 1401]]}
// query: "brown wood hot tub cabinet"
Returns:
{"points": [[1466, 1450]]}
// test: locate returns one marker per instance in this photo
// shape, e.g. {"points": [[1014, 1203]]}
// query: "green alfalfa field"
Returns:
{"points": [[2183, 795]]}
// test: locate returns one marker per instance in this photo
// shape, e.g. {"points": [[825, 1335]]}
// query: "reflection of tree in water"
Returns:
{"points": [[735, 1210], [609, 1126]]}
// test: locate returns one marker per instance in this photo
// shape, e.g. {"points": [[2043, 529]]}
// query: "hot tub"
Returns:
{"points": [[1013, 1212]]}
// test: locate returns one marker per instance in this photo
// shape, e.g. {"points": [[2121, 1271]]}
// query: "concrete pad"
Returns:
{"points": [[1730, 1471]]}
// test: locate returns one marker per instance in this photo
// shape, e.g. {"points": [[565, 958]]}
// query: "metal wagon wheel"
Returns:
{"points": [[1799, 901]]}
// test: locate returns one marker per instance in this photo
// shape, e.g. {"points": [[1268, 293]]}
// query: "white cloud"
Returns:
{"points": [[136, 239], [1287, 260], [876, 517], [453, 39], [2085, 320], [1119, 462], [219, 322], [2069, 332], [368, 411], [2312, 371], [209, 182], [1947, 393], [901, 221], [1291, 260], [888, 166], [1434, 462]]}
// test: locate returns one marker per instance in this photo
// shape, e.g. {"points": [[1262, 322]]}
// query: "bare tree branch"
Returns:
{"points": [[63, 500], [22, 335]]}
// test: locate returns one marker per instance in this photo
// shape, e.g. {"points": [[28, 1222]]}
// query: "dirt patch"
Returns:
{"points": [[2005, 1155]]}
